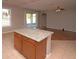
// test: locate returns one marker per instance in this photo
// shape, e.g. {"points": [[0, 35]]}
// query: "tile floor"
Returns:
{"points": [[61, 49]]}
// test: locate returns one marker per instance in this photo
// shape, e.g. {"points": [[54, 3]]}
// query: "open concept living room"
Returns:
{"points": [[39, 29]]}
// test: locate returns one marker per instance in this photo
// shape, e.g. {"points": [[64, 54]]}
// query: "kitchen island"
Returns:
{"points": [[33, 43]]}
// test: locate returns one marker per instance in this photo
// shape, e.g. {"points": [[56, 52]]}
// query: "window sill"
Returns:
{"points": [[6, 26]]}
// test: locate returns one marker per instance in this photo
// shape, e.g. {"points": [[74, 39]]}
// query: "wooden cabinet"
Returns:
{"points": [[30, 48], [18, 42]]}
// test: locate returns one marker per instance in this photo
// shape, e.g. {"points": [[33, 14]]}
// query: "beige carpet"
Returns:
{"points": [[61, 49]]}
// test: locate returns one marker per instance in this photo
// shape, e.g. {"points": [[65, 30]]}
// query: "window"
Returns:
{"points": [[6, 17], [31, 19]]}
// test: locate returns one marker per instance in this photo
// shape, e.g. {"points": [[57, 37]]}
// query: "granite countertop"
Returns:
{"points": [[35, 34]]}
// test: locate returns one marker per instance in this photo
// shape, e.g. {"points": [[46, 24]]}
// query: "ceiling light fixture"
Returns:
{"points": [[59, 9]]}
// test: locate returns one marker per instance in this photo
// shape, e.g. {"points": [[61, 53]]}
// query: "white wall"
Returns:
{"points": [[65, 19], [17, 18]]}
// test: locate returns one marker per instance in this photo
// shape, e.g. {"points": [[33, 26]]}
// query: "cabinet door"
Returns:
{"points": [[28, 49], [41, 50], [18, 42]]}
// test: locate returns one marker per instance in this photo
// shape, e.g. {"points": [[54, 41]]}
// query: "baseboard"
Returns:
{"points": [[7, 32], [61, 29]]}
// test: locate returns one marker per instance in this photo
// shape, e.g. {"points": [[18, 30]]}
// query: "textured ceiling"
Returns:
{"points": [[43, 4]]}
